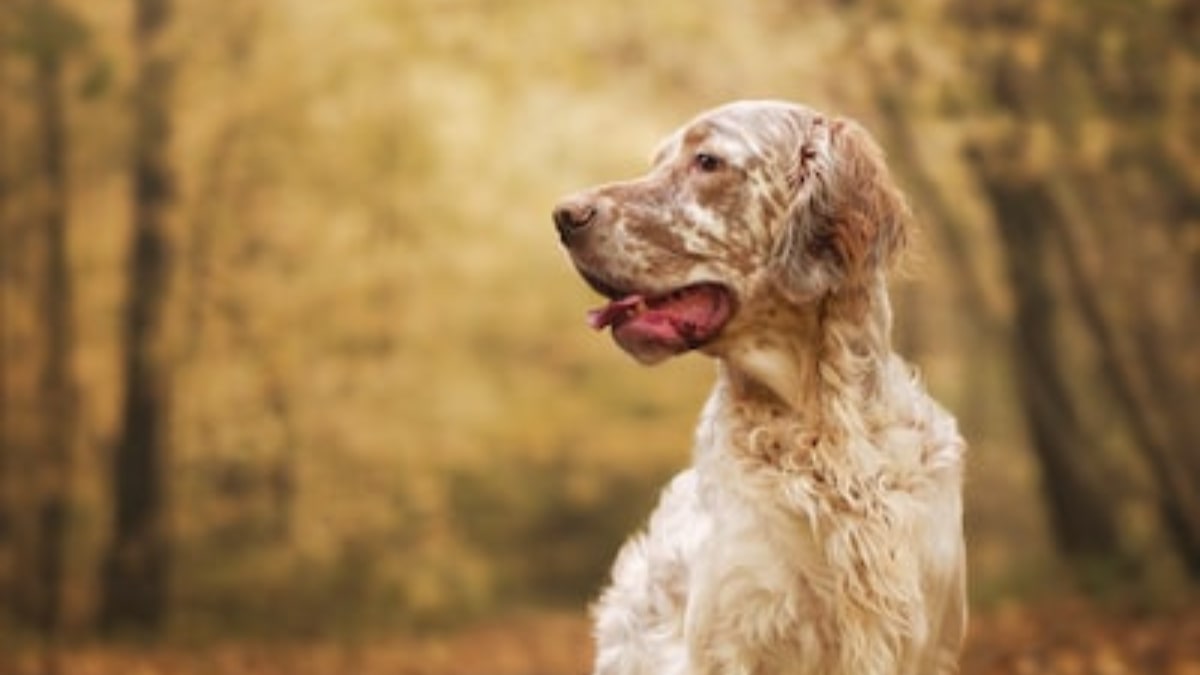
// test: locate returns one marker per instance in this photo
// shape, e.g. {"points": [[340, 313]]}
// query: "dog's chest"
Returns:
{"points": [[802, 557]]}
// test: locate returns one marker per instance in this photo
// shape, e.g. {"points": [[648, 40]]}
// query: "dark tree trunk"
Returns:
{"points": [[135, 576], [1155, 401], [1082, 511], [283, 474], [58, 388], [6, 441]]}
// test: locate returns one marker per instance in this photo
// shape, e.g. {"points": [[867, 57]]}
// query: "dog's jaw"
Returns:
{"points": [[832, 347]]}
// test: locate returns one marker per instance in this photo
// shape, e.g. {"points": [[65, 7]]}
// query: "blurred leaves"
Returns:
{"points": [[45, 30]]}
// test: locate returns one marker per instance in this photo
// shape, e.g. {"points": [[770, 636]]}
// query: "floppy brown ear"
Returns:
{"points": [[848, 220]]}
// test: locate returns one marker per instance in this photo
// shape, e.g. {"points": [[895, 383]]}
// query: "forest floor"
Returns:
{"points": [[1059, 639]]}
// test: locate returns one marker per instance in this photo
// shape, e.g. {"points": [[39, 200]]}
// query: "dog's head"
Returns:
{"points": [[747, 207]]}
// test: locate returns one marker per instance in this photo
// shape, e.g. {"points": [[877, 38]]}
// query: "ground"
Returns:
{"points": [[1058, 639]]}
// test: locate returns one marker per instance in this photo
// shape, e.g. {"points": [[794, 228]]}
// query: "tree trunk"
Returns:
{"points": [[58, 388], [1151, 396], [6, 444], [135, 578], [1082, 513]]}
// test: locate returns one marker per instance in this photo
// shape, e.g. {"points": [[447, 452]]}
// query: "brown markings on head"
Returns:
{"points": [[720, 191], [869, 214], [853, 222], [696, 134], [655, 212], [817, 206], [668, 254], [657, 234]]}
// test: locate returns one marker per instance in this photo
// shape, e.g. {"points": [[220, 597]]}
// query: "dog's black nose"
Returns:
{"points": [[570, 218]]}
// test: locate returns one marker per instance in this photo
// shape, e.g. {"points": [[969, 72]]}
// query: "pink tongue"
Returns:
{"points": [[679, 317], [652, 329], [602, 318]]}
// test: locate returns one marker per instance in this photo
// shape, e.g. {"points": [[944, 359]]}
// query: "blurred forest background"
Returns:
{"points": [[289, 355]]}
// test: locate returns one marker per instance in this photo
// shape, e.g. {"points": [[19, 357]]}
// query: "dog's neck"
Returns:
{"points": [[822, 358]]}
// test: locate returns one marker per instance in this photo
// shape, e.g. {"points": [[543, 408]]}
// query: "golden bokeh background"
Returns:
{"points": [[384, 412]]}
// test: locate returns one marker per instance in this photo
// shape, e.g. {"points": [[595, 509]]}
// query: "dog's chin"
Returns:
{"points": [[646, 353]]}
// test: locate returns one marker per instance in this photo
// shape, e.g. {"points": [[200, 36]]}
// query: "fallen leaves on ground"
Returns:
{"points": [[1057, 639], [1077, 639]]}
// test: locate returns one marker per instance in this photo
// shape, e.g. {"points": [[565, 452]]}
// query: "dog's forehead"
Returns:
{"points": [[739, 131], [728, 141]]}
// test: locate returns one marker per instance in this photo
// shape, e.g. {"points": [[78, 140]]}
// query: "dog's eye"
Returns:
{"points": [[707, 163]]}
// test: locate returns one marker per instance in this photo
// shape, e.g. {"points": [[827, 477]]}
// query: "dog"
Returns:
{"points": [[819, 528]]}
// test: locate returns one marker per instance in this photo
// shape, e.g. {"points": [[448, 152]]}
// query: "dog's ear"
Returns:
{"points": [[847, 219]]}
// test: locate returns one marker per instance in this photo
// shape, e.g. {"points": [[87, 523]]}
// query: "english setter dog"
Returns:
{"points": [[819, 528]]}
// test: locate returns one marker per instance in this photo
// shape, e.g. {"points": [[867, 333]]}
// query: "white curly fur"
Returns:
{"points": [[818, 530]]}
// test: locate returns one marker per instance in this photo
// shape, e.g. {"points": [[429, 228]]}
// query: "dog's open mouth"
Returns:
{"points": [[652, 326]]}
